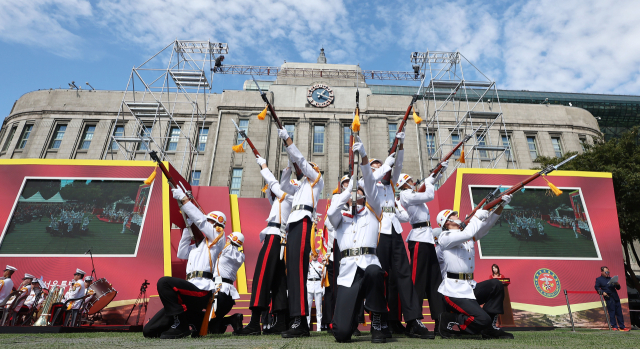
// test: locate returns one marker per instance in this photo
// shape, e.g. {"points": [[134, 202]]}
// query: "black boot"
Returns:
{"points": [[436, 328], [396, 327], [356, 332], [492, 333], [235, 321], [386, 330], [446, 323], [179, 329], [417, 330], [299, 328], [278, 326], [377, 336], [252, 329]]}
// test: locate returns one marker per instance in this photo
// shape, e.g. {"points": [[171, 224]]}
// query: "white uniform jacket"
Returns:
{"points": [[387, 195], [281, 206], [416, 206], [458, 256], [355, 232], [76, 290], [304, 195], [24, 289], [315, 272], [203, 256], [29, 302], [331, 235], [227, 267], [6, 286]]}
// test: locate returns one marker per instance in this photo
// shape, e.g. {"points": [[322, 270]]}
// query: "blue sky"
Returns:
{"points": [[568, 46]]}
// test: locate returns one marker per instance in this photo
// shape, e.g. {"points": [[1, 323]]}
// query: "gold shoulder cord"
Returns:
{"points": [[378, 218], [313, 204]]}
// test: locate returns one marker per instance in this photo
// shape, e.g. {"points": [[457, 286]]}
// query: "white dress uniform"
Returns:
{"points": [[201, 257], [6, 286], [415, 205], [387, 196], [304, 195], [315, 291], [227, 266], [76, 290], [29, 302], [281, 206]]}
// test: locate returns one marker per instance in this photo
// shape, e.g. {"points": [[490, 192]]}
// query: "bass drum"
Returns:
{"points": [[104, 293]]}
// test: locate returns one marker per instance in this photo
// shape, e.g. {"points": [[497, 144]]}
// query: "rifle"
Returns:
{"points": [[487, 198], [275, 118], [514, 189], [195, 232], [246, 138], [355, 128]]}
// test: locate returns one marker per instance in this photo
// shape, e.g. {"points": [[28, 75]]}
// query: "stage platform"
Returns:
{"points": [[63, 329]]}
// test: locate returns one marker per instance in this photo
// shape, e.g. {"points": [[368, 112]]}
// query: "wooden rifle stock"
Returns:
{"points": [[394, 146], [351, 155], [253, 148], [280, 126]]}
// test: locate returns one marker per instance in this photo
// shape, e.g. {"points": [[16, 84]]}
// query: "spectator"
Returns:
{"points": [[608, 290], [495, 272]]}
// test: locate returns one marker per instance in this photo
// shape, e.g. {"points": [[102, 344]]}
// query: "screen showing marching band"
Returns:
{"points": [[70, 216]]}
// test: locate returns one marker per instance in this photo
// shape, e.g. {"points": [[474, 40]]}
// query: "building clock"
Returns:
{"points": [[320, 95]]}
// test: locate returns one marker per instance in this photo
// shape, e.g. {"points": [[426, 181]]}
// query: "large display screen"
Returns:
{"points": [[69, 216], [539, 225]]}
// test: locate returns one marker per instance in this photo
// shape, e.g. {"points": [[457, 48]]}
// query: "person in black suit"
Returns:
{"points": [[610, 293]]}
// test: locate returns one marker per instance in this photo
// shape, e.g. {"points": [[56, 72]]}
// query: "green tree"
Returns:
{"points": [[621, 157]]}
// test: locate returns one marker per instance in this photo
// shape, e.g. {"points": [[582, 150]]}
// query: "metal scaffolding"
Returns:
{"points": [[288, 72], [164, 109], [454, 100]]}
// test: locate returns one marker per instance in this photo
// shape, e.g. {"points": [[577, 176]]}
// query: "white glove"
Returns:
{"points": [[359, 147], [283, 134], [189, 222], [506, 199], [482, 215], [391, 159], [261, 161], [349, 186], [178, 194], [400, 137], [444, 164], [431, 180]]}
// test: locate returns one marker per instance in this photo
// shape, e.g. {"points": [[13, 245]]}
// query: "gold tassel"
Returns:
{"points": [[264, 189], [209, 314], [263, 113], [416, 118], [553, 188], [238, 148], [313, 241], [151, 177], [336, 190], [325, 279], [355, 125], [461, 159]]}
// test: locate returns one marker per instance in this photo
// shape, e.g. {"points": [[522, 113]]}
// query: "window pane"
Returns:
{"points": [[195, 178], [57, 139], [25, 136], [346, 136], [557, 147], [482, 143], [431, 144], [236, 181], [174, 135], [506, 142], [119, 132], [393, 128], [455, 139], [203, 134], [87, 137], [290, 130], [533, 150], [243, 124], [318, 139], [145, 133], [9, 139]]}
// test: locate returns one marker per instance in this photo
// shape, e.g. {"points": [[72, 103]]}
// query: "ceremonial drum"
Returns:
{"points": [[104, 294]]}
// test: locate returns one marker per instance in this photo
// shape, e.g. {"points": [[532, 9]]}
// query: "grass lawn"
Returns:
{"points": [[558, 243], [548, 339], [102, 238]]}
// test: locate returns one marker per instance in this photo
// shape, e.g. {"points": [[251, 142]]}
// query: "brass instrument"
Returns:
{"points": [[55, 295]]}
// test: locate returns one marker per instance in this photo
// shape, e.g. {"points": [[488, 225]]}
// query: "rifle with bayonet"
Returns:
{"points": [[355, 128], [246, 138], [515, 188]]}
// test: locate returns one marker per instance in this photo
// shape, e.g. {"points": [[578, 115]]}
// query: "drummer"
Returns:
{"points": [[87, 282]]}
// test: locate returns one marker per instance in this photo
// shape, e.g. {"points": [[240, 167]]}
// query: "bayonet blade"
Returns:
{"points": [[236, 125], [258, 86], [564, 162]]}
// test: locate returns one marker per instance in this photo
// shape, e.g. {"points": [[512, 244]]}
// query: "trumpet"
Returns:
{"points": [[55, 295]]}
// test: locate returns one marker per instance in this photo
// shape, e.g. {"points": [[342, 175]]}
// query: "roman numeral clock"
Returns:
{"points": [[320, 95]]}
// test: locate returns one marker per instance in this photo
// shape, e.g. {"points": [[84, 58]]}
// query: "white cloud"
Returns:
{"points": [[41, 23]]}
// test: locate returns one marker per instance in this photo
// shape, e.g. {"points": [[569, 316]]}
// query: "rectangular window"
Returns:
{"points": [[583, 141], [25, 136], [506, 142], [318, 138], [119, 132], [431, 144], [290, 130], [87, 137], [236, 181], [145, 133], [203, 134], [57, 137], [243, 124], [482, 143], [346, 136], [174, 135], [9, 138], [533, 149], [557, 146], [195, 178], [455, 139], [393, 128]]}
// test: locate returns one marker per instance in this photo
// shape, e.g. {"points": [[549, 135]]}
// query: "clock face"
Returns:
{"points": [[320, 95]]}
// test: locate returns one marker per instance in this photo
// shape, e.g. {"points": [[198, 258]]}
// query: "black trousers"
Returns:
{"points": [[329, 296], [368, 285], [426, 275], [471, 317], [224, 304], [178, 297], [298, 248], [269, 278], [401, 295], [615, 312]]}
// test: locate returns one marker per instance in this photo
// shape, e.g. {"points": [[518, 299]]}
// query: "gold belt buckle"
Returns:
{"points": [[355, 251]]}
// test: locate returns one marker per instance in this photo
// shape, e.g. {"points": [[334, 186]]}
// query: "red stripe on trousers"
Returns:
{"points": [[456, 307], [264, 266], [191, 293], [415, 262], [301, 265]]}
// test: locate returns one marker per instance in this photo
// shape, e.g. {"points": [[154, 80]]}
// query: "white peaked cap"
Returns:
{"points": [[80, 271], [28, 276], [11, 268], [88, 278]]}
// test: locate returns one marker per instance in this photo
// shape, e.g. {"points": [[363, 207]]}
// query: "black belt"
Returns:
{"points": [[316, 279], [274, 224], [460, 276], [205, 275], [358, 251], [302, 207], [421, 225]]}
